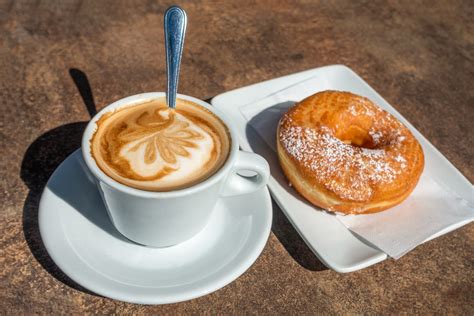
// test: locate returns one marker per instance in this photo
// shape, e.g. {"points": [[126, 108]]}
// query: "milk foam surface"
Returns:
{"points": [[151, 147], [184, 165]]}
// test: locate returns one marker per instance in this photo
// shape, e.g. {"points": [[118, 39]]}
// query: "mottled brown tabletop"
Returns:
{"points": [[60, 61]]}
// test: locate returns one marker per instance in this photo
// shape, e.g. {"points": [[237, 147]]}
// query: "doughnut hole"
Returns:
{"points": [[355, 135], [354, 131]]}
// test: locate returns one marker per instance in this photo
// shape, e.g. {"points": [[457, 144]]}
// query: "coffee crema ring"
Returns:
{"points": [[345, 154], [151, 147]]}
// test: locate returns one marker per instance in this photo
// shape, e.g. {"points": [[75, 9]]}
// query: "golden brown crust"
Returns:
{"points": [[344, 154]]}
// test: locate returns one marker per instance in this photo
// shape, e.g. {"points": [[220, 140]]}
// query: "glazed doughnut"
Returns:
{"points": [[346, 155]]}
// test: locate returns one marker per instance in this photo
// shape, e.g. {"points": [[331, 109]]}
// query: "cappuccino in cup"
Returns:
{"points": [[160, 172], [149, 146]]}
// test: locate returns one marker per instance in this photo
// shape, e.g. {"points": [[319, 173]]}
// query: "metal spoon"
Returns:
{"points": [[175, 27]]}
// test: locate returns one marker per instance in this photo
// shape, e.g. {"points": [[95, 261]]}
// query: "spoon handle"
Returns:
{"points": [[175, 27]]}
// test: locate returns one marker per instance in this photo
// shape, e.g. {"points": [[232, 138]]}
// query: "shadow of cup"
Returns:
{"points": [[40, 160]]}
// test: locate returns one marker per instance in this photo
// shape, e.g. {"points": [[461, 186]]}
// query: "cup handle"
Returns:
{"points": [[237, 184]]}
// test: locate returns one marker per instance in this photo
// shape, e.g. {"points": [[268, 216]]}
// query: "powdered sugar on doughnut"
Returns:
{"points": [[376, 136], [348, 171]]}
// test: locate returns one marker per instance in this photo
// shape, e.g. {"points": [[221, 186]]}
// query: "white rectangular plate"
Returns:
{"points": [[329, 240]]}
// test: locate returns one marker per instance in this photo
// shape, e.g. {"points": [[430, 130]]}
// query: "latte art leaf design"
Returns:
{"points": [[167, 137]]}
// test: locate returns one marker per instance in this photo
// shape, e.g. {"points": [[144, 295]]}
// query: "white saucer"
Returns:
{"points": [[82, 241]]}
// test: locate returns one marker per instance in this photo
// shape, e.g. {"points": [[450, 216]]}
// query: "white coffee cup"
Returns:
{"points": [[162, 219]]}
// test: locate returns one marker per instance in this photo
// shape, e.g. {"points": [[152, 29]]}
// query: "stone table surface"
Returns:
{"points": [[60, 61]]}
